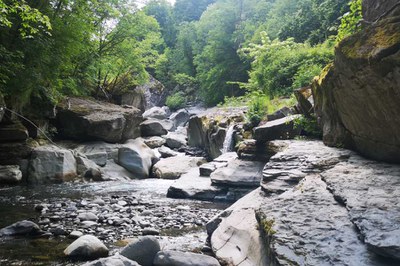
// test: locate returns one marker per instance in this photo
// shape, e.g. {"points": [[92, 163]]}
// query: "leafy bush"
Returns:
{"points": [[309, 126], [258, 107], [176, 101], [350, 21], [278, 67]]}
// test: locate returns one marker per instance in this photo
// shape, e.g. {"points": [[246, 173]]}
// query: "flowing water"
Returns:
{"points": [[228, 142], [180, 222]]}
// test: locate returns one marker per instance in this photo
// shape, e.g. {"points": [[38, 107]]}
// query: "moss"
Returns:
{"points": [[370, 42], [267, 226]]}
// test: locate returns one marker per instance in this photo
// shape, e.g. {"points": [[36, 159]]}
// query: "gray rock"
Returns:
{"points": [[143, 250], [150, 232], [177, 258], [308, 220], [99, 151], [281, 113], [285, 169], [166, 152], [236, 239], [86, 247], [51, 164], [355, 101], [152, 127], [88, 169], [116, 260], [113, 171], [154, 142], [174, 167], [85, 119], [238, 173], [137, 158], [75, 234], [370, 191], [157, 113], [208, 168], [175, 140], [191, 185], [373, 9], [278, 129], [131, 98], [180, 118], [87, 216], [21, 228], [10, 174]]}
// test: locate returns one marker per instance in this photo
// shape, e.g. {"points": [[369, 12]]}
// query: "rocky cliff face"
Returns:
{"points": [[356, 99]]}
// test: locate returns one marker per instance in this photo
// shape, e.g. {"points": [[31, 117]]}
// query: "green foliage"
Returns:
{"points": [[176, 101], [350, 21], [257, 107], [190, 10], [278, 67], [304, 20], [31, 20], [309, 126]]}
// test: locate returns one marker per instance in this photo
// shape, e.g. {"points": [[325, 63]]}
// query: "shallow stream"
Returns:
{"points": [[125, 210]]}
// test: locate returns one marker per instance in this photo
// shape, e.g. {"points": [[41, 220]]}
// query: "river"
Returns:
{"points": [[125, 210]]}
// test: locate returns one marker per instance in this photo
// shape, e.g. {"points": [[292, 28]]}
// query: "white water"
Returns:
{"points": [[228, 142]]}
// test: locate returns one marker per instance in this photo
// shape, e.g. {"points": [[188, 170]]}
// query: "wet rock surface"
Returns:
{"points": [[124, 210]]}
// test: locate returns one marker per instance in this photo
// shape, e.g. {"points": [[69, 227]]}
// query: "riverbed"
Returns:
{"points": [[124, 211]]}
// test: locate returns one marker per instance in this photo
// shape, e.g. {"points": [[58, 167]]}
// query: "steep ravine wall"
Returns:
{"points": [[357, 98]]}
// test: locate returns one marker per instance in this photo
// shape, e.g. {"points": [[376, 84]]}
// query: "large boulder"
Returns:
{"points": [[137, 158], [154, 92], [143, 250], [85, 119], [152, 127], [177, 258], [116, 260], [373, 9], [10, 174], [86, 247], [283, 128], [157, 113], [175, 140], [356, 99], [21, 228], [234, 233], [174, 167], [51, 164], [87, 168], [133, 98], [180, 118], [238, 173]]}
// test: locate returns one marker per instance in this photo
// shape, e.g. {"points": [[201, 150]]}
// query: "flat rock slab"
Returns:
{"points": [[300, 158], [277, 129], [192, 186], [174, 167], [307, 226], [371, 193], [239, 173]]}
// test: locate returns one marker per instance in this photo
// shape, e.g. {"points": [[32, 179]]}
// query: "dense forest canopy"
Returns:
{"points": [[200, 49]]}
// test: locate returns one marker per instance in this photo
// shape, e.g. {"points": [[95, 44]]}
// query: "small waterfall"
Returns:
{"points": [[228, 142]]}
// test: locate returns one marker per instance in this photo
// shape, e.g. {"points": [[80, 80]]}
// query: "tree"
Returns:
{"points": [[190, 10]]}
